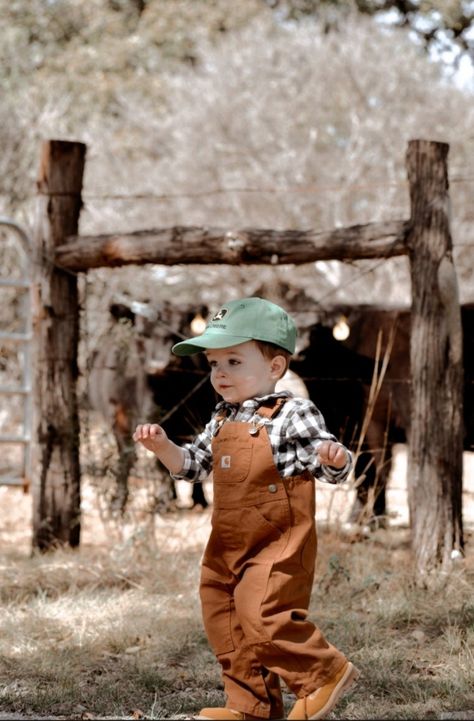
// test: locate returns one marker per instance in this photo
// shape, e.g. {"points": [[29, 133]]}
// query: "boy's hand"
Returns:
{"points": [[154, 438], [150, 435], [332, 454]]}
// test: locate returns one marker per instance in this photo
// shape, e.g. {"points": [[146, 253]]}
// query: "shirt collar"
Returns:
{"points": [[252, 403]]}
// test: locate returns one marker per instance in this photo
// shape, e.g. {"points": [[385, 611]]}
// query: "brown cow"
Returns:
{"points": [[339, 376], [135, 348]]}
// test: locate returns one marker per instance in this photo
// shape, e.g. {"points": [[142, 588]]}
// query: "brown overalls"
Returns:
{"points": [[257, 574]]}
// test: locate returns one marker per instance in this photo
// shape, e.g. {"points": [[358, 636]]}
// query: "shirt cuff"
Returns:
{"points": [[187, 472]]}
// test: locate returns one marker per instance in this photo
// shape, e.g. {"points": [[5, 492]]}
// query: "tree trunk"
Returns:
{"points": [[436, 430], [56, 481]]}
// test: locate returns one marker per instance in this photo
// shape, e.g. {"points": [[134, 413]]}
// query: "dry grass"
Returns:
{"points": [[114, 630]]}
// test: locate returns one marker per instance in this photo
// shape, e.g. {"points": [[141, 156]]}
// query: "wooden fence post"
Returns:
{"points": [[436, 429], [56, 477]]}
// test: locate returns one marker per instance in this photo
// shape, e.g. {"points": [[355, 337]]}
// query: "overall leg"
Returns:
{"points": [[290, 645], [273, 594], [249, 688], [272, 604]]}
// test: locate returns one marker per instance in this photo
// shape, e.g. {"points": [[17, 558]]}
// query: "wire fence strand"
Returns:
{"points": [[310, 189]]}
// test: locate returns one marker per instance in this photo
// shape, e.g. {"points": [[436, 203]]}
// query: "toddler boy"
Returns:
{"points": [[264, 449]]}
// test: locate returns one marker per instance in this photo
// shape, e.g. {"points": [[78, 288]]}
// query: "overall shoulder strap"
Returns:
{"points": [[220, 418], [271, 407]]}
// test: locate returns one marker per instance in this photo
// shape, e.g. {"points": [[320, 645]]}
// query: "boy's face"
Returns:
{"points": [[242, 371]]}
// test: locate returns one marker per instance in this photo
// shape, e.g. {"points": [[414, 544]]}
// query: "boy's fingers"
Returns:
{"points": [[147, 430], [324, 449], [141, 432], [138, 433], [331, 452], [336, 452]]}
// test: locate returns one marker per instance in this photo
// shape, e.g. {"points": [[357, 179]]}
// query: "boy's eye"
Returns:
{"points": [[231, 362]]}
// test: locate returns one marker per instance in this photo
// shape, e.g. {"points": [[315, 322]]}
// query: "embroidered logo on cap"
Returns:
{"points": [[220, 314], [225, 462]]}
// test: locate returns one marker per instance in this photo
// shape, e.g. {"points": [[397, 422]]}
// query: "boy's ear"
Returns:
{"points": [[278, 366]]}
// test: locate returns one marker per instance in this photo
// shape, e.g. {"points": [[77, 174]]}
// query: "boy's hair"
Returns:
{"points": [[270, 350]]}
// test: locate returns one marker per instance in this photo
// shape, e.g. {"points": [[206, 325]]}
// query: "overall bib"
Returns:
{"points": [[257, 574]]}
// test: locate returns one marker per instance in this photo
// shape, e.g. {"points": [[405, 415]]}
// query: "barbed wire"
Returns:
{"points": [[150, 195]]}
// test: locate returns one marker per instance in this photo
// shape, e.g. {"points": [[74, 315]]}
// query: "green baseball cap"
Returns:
{"points": [[240, 321]]}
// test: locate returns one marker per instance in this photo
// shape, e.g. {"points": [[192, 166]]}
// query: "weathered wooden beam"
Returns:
{"points": [[56, 475], [176, 245], [436, 428]]}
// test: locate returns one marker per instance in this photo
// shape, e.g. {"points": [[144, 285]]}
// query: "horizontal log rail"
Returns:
{"points": [[191, 244]]}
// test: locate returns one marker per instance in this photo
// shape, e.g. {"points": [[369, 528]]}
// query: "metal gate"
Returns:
{"points": [[18, 474]]}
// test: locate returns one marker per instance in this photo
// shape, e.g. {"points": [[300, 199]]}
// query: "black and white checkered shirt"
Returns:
{"points": [[295, 434]]}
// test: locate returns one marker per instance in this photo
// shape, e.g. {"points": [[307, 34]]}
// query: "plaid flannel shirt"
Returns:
{"points": [[295, 434]]}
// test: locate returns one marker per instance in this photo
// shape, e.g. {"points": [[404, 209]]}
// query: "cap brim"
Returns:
{"points": [[207, 341]]}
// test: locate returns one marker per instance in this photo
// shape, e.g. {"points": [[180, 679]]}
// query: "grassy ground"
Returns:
{"points": [[114, 630]]}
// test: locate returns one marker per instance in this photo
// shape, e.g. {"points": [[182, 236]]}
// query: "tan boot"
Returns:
{"points": [[225, 714], [319, 703]]}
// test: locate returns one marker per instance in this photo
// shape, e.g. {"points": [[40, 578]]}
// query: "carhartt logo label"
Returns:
{"points": [[225, 462], [220, 314]]}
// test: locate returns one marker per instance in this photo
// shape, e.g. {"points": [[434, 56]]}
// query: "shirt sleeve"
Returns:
{"points": [[197, 456], [306, 430]]}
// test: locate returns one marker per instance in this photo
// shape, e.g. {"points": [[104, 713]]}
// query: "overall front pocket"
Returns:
{"points": [[231, 464], [273, 515]]}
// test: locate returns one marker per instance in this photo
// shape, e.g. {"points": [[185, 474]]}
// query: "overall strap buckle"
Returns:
{"points": [[266, 413]]}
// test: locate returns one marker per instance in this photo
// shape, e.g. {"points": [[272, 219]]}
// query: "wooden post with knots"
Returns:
{"points": [[436, 428], [56, 474]]}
